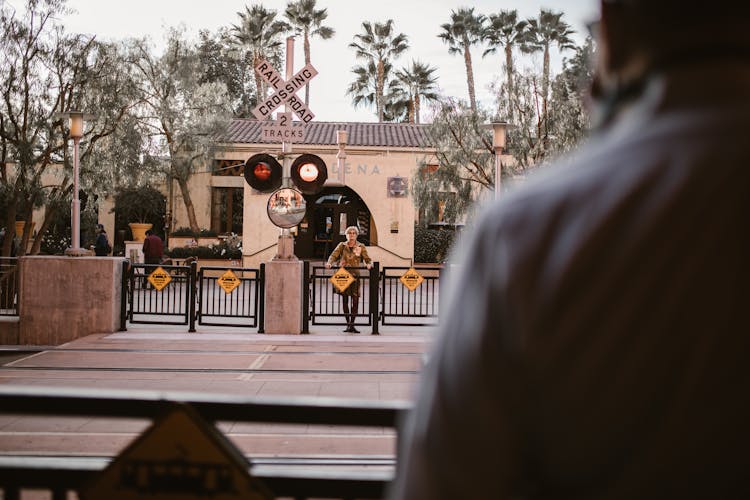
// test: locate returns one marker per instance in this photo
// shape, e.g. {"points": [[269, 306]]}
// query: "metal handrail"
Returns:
{"points": [[60, 474], [212, 407]]}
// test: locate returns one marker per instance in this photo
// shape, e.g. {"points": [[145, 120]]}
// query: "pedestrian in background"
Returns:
{"points": [[350, 254], [595, 343], [153, 250], [101, 247]]}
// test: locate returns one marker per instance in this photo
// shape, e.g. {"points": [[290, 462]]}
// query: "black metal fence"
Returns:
{"points": [[182, 295], [59, 475], [325, 306], [231, 296], [402, 306], [9, 286], [170, 299]]}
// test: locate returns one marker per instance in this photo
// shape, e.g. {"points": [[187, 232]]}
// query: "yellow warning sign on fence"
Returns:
{"points": [[411, 279], [341, 279], [179, 456], [229, 281], [159, 278]]}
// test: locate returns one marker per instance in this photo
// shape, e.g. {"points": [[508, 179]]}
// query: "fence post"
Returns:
{"points": [[262, 299], [374, 300], [124, 295], [192, 294], [305, 297]]}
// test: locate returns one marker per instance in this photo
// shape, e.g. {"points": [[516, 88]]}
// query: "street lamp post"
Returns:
{"points": [[499, 131], [75, 121]]}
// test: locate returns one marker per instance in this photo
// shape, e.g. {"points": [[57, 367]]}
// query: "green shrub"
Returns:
{"points": [[432, 245], [227, 249], [182, 231]]}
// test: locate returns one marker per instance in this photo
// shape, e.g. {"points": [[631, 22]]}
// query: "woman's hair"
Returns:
{"points": [[352, 228]]}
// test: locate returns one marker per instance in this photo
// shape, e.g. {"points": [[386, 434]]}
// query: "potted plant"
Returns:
{"points": [[141, 208]]}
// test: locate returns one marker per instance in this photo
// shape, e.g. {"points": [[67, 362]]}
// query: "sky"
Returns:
{"points": [[420, 20]]}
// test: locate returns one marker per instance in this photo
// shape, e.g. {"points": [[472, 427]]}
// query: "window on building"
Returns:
{"points": [[226, 210]]}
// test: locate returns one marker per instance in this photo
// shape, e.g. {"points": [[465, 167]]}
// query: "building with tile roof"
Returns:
{"points": [[371, 190]]}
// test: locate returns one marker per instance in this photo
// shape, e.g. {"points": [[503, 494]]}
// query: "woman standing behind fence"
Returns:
{"points": [[351, 254]]}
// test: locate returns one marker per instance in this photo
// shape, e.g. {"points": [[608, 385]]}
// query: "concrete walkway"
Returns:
{"points": [[325, 363]]}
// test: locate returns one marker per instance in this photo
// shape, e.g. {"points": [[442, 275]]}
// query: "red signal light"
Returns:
{"points": [[262, 171]]}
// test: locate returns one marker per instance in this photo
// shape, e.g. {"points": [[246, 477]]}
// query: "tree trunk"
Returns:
{"points": [[545, 95], [509, 77], [50, 214], [260, 90], [416, 108], [306, 46], [470, 76], [10, 229], [379, 90], [24, 244], [189, 208]]}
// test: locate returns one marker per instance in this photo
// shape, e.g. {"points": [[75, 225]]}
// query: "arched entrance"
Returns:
{"points": [[329, 213]]}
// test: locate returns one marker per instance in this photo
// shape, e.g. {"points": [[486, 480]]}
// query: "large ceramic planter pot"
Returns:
{"points": [[20, 224], [139, 230]]}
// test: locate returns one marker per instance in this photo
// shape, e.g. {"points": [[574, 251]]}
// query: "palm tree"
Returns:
{"points": [[308, 22], [506, 31], [379, 44], [260, 33], [364, 88], [419, 83], [464, 30], [543, 32]]}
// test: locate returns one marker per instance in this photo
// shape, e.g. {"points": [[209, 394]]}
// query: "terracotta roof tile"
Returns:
{"points": [[398, 135]]}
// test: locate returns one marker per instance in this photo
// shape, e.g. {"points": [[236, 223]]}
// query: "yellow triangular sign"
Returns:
{"points": [[229, 281], [411, 279], [178, 457], [159, 278], [341, 279]]}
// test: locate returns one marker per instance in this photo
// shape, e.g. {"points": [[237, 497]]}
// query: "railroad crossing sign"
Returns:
{"points": [[341, 279], [283, 129], [159, 278], [285, 91], [228, 281], [411, 279], [179, 456]]}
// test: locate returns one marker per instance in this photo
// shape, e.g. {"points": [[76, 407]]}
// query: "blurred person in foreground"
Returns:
{"points": [[595, 341]]}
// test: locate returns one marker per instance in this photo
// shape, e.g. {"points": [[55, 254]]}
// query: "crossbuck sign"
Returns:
{"points": [[285, 91]]}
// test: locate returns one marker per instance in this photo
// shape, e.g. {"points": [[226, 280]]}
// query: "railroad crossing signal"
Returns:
{"points": [[285, 91], [309, 173], [263, 172]]}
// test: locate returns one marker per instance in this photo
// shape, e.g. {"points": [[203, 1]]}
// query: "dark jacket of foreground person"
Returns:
{"points": [[596, 341]]}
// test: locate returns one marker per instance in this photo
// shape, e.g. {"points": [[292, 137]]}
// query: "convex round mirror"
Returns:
{"points": [[286, 207]]}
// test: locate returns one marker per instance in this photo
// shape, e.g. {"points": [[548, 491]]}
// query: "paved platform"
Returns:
{"points": [[325, 363]]}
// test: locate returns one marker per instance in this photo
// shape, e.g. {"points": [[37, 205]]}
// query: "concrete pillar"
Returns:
{"points": [[283, 312], [65, 298]]}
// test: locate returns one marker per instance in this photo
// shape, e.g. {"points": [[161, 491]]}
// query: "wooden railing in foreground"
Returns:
{"points": [[62, 474]]}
